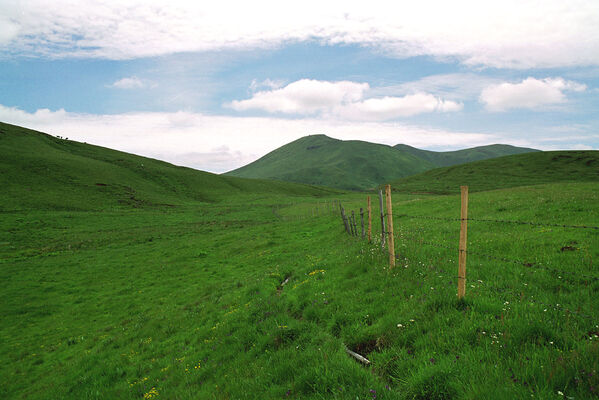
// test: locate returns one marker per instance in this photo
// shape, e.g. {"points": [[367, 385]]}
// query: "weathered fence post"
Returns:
{"points": [[362, 220], [369, 222], [390, 244], [382, 218], [463, 243], [344, 218], [353, 224]]}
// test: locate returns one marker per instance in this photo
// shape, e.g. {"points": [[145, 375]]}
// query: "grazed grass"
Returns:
{"points": [[185, 302]]}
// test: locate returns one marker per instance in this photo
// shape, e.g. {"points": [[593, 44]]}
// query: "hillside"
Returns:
{"points": [[448, 158], [42, 171], [505, 172], [321, 160], [357, 165]]}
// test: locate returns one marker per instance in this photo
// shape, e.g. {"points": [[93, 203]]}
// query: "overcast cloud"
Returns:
{"points": [[503, 34]]}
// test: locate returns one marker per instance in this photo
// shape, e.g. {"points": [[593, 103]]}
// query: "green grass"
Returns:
{"points": [[112, 299], [506, 172]]}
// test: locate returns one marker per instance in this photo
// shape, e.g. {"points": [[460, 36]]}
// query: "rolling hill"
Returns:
{"points": [[321, 160], [505, 172], [448, 158], [42, 171], [354, 164]]}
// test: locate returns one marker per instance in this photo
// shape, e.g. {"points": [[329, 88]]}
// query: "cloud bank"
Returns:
{"points": [[506, 34], [342, 99]]}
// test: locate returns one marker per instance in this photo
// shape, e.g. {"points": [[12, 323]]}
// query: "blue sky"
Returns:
{"points": [[215, 86]]}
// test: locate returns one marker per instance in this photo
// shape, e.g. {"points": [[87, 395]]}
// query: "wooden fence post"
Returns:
{"points": [[362, 220], [390, 244], [463, 243], [351, 223], [382, 218], [344, 219], [369, 222]]}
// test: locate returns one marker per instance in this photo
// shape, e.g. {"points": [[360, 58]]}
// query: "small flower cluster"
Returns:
{"points": [[151, 394]]}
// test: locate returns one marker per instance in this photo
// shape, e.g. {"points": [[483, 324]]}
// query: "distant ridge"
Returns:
{"points": [[506, 172], [448, 158], [355, 164]]}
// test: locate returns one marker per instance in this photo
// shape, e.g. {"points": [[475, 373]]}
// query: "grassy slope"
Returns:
{"points": [[41, 171], [448, 158], [505, 172], [321, 160]]}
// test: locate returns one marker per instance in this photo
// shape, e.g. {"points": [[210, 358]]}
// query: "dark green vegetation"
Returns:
{"points": [[507, 172], [42, 171], [357, 165], [448, 158], [132, 300]]}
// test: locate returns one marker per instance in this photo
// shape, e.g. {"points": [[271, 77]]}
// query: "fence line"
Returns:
{"points": [[499, 221], [534, 265]]}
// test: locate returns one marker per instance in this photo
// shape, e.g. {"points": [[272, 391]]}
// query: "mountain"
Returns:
{"points": [[357, 165], [321, 160], [505, 172], [44, 172], [448, 158]]}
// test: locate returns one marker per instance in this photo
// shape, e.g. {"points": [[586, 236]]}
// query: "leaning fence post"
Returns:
{"points": [[463, 243], [369, 222], [390, 244], [362, 220], [382, 218]]}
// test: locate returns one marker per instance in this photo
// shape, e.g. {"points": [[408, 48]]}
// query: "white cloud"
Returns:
{"points": [[341, 99], [386, 108], [306, 96], [456, 86], [267, 83], [531, 93], [510, 33], [220, 143], [129, 83]]}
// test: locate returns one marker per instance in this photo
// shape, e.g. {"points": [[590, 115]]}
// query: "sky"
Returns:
{"points": [[216, 85]]}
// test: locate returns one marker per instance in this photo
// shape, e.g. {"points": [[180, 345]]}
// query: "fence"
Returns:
{"points": [[388, 237]]}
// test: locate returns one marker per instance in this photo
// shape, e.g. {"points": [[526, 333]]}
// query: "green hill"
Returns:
{"points": [[505, 172], [357, 165], [42, 171], [321, 160], [448, 158]]}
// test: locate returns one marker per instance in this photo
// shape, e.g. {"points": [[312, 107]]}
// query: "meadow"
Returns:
{"points": [[184, 301]]}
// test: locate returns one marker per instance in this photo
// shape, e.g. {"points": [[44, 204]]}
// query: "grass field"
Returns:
{"points": [[186, 303], [182, 299]]}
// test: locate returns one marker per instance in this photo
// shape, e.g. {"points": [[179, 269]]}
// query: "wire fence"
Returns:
{"points": [[499, 221]]}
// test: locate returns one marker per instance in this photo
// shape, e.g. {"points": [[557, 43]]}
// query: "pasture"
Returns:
{"points": [[186, 302]]}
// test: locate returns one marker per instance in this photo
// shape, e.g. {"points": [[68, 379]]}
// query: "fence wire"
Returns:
{"points": [[499, 221], [528, 264]]}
